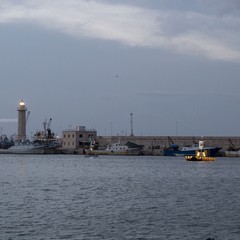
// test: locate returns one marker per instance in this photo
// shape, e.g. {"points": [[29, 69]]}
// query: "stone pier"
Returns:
{"points": [[158, 143]]}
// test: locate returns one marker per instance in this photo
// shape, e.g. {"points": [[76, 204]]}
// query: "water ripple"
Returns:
{"points": [[70, 197]]}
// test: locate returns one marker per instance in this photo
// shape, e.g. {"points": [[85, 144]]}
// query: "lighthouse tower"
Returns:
{"points": [[21, 121]]}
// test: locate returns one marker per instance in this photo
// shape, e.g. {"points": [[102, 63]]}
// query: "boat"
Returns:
{"points": [[43, 143], [233, 153], [33, 147], [200, 154], [232, 150], [173, 150], [25, 147], [89, 153], [5, 143], [47, 140], [117, 149]]}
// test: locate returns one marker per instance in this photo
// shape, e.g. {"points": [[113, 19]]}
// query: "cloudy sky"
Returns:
{"points": [[174, 64]]}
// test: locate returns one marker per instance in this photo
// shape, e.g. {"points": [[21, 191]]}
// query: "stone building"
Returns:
{"points": [[73, 139]]}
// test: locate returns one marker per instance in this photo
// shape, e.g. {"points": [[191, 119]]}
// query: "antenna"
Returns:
{"points": [[131, 122]]}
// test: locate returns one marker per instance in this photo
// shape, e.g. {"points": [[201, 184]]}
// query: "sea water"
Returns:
{"points": [[74, 197]]}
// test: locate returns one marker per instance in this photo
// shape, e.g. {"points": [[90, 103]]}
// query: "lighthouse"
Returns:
{"points": [[21, 121]]}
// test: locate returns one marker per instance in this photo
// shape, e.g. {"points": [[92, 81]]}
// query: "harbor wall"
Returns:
{"points": [[158, 143]]}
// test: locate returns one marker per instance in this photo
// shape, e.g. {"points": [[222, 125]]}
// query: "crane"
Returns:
{"points": [[46, 127], [49, 123]]}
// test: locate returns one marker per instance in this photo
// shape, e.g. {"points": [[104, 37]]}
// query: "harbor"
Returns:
{"points": [[43, 142], [155, 145], [80, 140], [120, 120]]}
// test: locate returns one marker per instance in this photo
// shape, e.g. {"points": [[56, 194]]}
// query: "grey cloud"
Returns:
{"points": [[183, 32], [221, 7]]}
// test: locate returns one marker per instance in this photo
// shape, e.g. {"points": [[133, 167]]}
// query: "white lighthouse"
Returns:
{"points": [[21, 121]]}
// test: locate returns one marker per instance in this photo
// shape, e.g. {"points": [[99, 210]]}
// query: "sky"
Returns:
{"points": [[175, 65]]}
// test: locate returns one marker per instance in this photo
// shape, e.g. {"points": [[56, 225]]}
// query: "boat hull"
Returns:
{"points": [[28, 149], [200, 158], [232, 153], [212, 152], [31, 148], [115, 152]]}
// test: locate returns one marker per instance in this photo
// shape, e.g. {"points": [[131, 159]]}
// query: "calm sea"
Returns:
{"points": [[74, 197]]}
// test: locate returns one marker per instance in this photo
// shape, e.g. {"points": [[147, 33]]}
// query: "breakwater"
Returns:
{"points": [[156, 144]]}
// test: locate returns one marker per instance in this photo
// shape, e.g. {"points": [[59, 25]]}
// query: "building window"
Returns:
{"points": [[80, 135]]}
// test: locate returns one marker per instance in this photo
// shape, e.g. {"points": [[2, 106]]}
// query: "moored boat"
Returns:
{"points": [[26, 147], [43, 143], [33, 147], [174, 150], [5, 143], [232, 150], [117, 149], [232, 153]]}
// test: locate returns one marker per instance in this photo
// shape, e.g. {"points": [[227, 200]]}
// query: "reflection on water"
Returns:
{"points": [[72, 197]]}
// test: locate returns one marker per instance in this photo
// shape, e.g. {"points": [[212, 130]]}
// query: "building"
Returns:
{"points": [[78, 138]]}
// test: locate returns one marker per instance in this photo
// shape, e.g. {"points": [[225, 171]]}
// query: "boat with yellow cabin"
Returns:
{"points": [[201, 155]]}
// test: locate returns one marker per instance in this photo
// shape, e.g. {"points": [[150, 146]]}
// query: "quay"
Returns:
{"points": [[74, 140], [155, 144]]}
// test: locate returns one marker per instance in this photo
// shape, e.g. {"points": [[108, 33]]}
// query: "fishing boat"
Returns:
{"points": [[200, 154], [117, 149], [46, 146], [25, 147], [43, 142], [173, 150]]}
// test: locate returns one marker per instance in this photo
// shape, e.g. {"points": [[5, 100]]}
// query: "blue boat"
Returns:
{"points": [[173, 150]]}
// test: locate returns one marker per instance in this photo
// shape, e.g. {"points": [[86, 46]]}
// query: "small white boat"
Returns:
{"points": [[232, 153], [232, 150], [91, 155], [117, 149]]}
